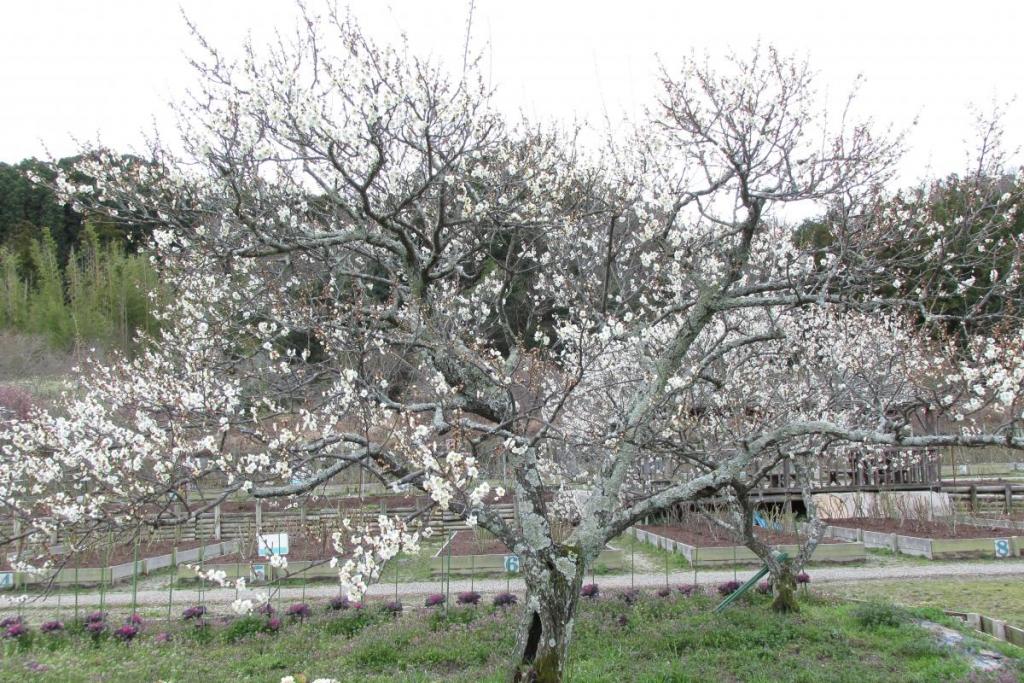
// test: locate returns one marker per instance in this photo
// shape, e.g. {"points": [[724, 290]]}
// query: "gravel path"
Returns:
{"points": [[155, 598]]}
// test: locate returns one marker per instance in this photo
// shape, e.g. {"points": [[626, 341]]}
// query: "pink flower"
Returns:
{"points": [[299, 610], [16, 630], [195, 612], [505, 599], [339, 602], [51, 627], [126, 633], [469, 598]]}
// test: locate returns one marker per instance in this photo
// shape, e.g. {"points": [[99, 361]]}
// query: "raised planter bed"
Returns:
{"points": [[88, 568], [703, 548], [308, 557], [930, 539], [995, 522], [466, 553]]}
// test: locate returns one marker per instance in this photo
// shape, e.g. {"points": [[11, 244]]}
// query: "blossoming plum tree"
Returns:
{"points": [[372, 268]]}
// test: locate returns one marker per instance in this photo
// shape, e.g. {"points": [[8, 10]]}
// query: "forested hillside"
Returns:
{"points": [[70, 278]]}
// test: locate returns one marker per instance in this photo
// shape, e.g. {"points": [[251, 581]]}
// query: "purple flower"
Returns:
{"points": [[630, 595], [16, 630], [95, 617], [338, 602], [195, 612], [51, 627], [687, 589], [505, 599], [9, 621], [663, 592], [728, 587], [95, 627], [163, 637], [299, 610], [393, 607], [135, 619], [764, 588], [36, 667], [590, 591], [274, 624], [433, 600], [803, 577], [468, 598], [127, 633], [266, 608]]}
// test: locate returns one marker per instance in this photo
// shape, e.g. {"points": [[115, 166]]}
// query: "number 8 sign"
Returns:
{"points": [[1002, 547]]}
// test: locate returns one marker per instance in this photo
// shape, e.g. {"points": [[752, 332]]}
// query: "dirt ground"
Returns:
{"points": [[104, 555], [924, 528], [713, 537]]}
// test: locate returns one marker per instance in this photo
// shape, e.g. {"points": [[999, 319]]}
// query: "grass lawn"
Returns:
{"points": [[656, 639], [1002, 598], [646, 557]]}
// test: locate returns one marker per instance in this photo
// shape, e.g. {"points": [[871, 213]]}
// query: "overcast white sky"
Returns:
{"points": [[107, 68]]}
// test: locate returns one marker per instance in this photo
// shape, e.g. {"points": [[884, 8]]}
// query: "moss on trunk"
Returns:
{"points": [[785, 591], [546, 629]]}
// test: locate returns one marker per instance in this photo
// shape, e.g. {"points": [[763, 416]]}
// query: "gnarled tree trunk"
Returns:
{"points": [[545, 632], [784, 588]]}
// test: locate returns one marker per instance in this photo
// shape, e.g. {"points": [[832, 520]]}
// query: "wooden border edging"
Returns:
{"points": [[997, 628], [709, 556], [931, 548], [88, 575]]}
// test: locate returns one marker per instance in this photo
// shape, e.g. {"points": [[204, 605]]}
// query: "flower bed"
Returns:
{"points": [[993, 521], [94, 568], [308, 556], [702, 546], [469, 552], [931, 539]]}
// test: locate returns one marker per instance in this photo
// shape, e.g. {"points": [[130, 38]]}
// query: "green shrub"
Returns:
{"points": [[244, 628], [441, 620], [201, 633], [350, 624], [876, 614]]}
